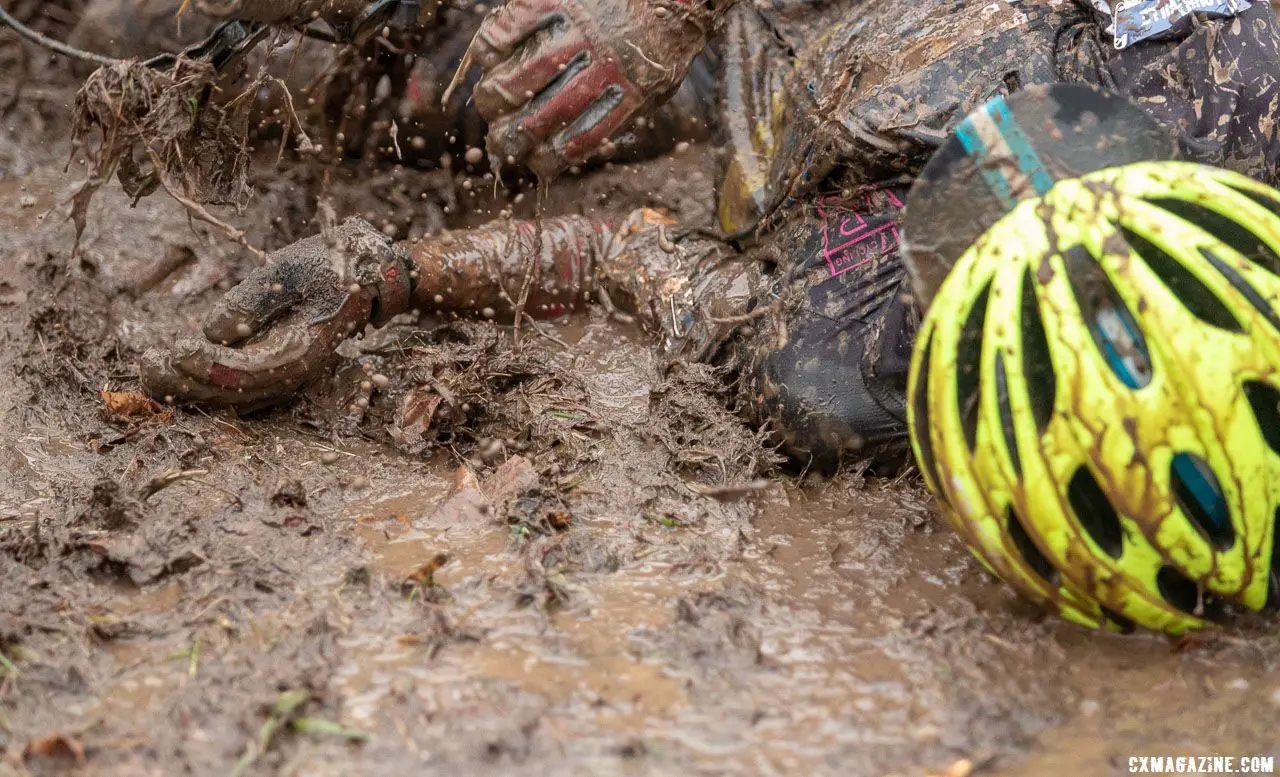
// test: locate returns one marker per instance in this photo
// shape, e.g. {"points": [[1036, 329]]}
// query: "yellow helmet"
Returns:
{"points": [[1095, 395]]}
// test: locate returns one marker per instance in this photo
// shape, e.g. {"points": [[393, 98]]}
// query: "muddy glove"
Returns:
{"points": [[277, 330], [561, 76]]}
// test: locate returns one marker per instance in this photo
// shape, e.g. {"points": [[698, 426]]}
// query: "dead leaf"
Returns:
{"points": [[515, 475], [961, 768], [130, 404], [55, 745], [425, 574], [466, 504], [411, 430]]}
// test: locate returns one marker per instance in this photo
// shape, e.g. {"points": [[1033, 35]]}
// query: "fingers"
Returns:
{"points": [[294, 353], [253, 304], [196, 371], [595, 126], [557, 54], [527, 134], [504, 30], [289, 276]]}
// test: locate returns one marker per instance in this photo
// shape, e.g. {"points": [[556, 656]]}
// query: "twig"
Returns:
{"points": [[198, 211], [729, 491], [458, 75], [168, 478], [759, 312], [49, 43], [646, 58], [534, 267], [544, 333]]}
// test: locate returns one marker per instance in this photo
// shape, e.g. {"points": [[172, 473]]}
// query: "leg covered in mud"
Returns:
{"points": [[827, 373]]}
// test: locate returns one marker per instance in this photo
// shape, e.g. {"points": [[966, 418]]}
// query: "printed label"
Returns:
{"points": [[851, 240], [1136, 20]]}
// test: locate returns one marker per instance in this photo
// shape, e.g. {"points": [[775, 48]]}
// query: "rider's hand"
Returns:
{"points": [[561, 76], [278, 329]]}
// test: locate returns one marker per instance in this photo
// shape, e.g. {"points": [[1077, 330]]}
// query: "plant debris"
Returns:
{"points": [[159, 128], [56, 745], [130, 404]]}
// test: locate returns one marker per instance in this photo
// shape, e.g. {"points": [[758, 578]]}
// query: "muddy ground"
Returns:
{"points": [[588, 570]]}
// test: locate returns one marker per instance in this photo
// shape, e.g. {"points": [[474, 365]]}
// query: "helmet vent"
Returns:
{"points": [[1178, 590], [1226, 229], [969, 365], [1124, 624], [1095, 513], [1242, 286], [1113, 327], [1190, 291], [1265, 400], [1037, 365], [923, 426], [1030, 553], [1006, 414], [1200, 497]]}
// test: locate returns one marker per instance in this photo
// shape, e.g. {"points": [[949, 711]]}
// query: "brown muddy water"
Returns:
{"points": [[552, 591]]}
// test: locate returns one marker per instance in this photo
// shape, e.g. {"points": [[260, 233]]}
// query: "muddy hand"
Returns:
{"points": [[278, 330], [562, 76]]}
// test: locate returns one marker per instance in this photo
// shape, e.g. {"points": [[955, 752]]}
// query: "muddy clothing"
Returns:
{"points": [[833, 108]]}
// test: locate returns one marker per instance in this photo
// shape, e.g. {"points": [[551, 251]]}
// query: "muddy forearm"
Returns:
{"points": [[632, 266], [485, 270]]}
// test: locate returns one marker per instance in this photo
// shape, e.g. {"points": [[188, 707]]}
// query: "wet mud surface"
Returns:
{"points": [[588, 570]]}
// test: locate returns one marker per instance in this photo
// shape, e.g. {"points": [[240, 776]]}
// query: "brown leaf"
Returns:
{"points": [[55, 745], [515, 475], [424, 574], [962, 768], [130, 403], [413, 420]]}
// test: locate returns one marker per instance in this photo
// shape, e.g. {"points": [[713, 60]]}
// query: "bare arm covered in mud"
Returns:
{"points": [[278, 329]]}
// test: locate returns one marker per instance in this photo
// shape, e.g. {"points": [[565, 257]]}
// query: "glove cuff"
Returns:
{"points": [[393, 287], [378, 266]]}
